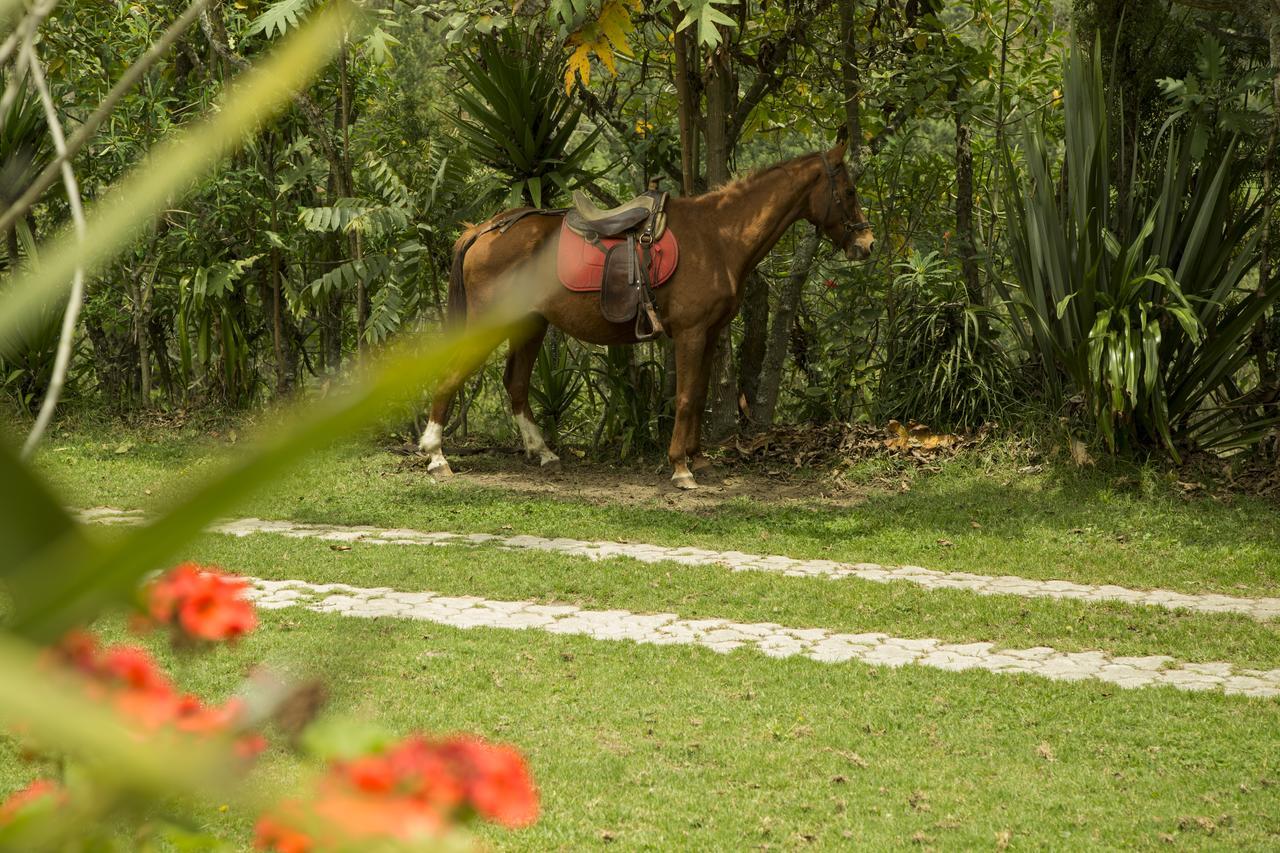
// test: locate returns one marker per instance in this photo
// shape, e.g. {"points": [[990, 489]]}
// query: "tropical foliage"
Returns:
{"points": [[1137, 295], [330, 231]]}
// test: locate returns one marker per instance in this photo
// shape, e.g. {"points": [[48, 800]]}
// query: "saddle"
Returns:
{"points": [[628, 236]]}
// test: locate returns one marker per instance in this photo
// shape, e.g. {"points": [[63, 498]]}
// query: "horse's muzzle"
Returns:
{"points": [[859, 252]]}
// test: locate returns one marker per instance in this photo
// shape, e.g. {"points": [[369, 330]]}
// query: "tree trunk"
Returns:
{"points": [[105, 364], [11, 244], [687, 110], [348, 188], [755, 337], [966, 242], [333, 329], [765, 405], [1264, 349], [723, 393], [851, 79], [139, 334], [159, 351]]}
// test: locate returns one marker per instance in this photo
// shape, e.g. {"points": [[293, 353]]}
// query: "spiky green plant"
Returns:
{"points": [[1135, 294], [517, 118], [944, 364]]}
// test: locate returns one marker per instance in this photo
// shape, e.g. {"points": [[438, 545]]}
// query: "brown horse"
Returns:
{"points": [[723, 236]]}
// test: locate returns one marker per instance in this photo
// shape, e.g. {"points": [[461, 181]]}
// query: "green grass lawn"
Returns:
{"points": [[677, 747], [1091, 526], [681, 748]]}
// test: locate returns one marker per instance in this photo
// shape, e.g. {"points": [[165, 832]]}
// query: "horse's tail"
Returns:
{"points": [[457, 286]]}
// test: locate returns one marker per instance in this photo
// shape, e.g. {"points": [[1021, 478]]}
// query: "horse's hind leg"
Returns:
{"points": [[521, 359]]}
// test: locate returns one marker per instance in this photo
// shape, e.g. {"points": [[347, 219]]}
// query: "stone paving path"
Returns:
{"points": [[774, 640], [1262, 609]]}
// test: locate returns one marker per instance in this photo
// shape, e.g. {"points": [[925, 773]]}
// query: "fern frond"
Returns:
{"points": [[280, 16]]}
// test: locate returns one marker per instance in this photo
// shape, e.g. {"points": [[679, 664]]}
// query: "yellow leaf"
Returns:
{"points": [[615, 23], [579, 64], [922, 41], [606, 57]]}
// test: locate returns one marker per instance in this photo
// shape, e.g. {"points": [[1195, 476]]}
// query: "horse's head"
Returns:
{"points": [[836, 209]]}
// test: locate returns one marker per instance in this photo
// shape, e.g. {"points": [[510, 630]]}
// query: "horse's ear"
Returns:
{"points": [[835, 155]]}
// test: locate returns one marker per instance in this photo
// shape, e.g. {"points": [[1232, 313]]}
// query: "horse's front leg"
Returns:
{"points": [[698, 462], [691, 395]]}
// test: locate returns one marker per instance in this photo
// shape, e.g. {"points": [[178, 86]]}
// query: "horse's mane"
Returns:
{"points": [[736, 185]]}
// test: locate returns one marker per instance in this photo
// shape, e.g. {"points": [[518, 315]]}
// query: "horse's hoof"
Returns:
{"points": [[684, 482], [440, 469], [551, 466]]}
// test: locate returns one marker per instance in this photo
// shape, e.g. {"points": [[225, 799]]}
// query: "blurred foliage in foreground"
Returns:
{"points": [[134, 755]]}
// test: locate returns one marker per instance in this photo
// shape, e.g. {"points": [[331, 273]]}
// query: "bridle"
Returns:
{"points": [[837, 199]]}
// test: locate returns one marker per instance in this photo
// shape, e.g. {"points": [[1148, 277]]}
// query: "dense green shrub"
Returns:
{"points": [[944, 363], [1136, 293]]}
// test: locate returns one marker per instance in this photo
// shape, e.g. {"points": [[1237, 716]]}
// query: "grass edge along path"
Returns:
{"points": [[970, 516], [771, 639], [676, 747], [1261, 609]]}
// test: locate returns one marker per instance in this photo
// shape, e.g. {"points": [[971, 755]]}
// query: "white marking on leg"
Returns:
{"points": [[433, 445], [533, 441]]}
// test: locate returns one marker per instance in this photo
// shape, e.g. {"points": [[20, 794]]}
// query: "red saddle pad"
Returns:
{"points": [[581, 264]]}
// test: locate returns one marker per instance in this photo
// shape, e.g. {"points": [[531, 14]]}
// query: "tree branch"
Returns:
{"points": [[308, 107], [86, 131], [769, 59], [71, 317]]}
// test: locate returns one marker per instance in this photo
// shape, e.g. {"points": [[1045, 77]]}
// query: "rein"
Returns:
{"points": [[837, 199]]}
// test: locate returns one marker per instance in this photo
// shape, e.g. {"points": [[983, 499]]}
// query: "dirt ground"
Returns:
{"points": [[645, 484]]}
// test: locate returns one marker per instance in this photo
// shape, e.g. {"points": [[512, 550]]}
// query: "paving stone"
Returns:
{"points": [[1184, 680], [912, 643], [768, 638], [1263, 609], [1150, 662]]}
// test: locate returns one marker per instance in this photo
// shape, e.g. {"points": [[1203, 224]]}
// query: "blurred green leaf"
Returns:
{"points": [[127, 207]]}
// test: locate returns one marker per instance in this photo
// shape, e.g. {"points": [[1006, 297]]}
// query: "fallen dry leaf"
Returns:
{"points": [[1046, 752], [1080, 453]]}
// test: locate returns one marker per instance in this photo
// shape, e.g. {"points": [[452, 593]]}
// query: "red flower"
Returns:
{"points": [[830, 283], [134, 668], [21, 800], [78, 649], [201, 603], [150, 709], [250, 746], [414, 790], [131, 680], [427, 773], [499, 786], [165, 594], [272, 834], [355, 816], [371, 774]]}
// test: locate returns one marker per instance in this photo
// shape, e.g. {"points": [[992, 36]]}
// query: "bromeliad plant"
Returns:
{"points": [[1134, 293]]}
